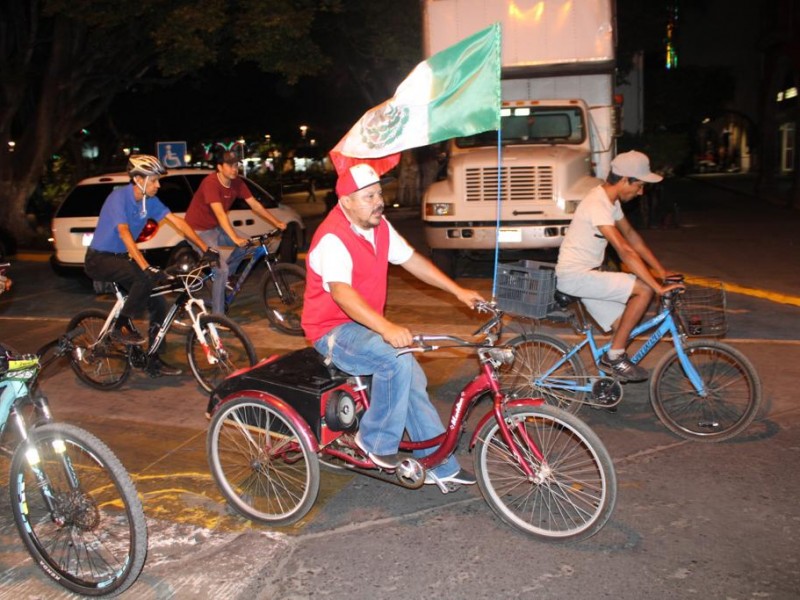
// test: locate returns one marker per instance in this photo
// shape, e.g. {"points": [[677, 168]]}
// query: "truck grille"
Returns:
{"points": [[523, 184]]}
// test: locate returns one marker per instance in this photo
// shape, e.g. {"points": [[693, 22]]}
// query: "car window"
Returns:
{"points": [[175, 193], [86, 200], [261, 195], [195, 181]]}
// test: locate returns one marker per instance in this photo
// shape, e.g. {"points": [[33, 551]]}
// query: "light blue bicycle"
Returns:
{"points": [[73, 502], [701, 390]]}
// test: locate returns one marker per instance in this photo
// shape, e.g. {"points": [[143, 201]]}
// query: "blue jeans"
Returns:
{"points": [[230, 256], [398, 398]]}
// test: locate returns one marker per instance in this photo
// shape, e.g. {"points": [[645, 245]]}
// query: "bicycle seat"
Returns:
{"points": [[564, 300]]}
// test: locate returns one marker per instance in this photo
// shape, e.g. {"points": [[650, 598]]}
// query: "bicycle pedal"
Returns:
{"points": [[448, 487]]}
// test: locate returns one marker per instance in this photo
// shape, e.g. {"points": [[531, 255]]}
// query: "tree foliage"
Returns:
{"points": [[63, 62]]}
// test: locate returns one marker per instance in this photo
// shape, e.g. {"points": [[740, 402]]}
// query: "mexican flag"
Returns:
{"points": [[455, 92]]}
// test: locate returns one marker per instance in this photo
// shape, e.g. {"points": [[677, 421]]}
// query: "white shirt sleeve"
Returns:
{"points": [[399, 249], [330, 260]]}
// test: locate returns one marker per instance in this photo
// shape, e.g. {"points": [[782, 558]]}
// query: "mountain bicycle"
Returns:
{"points": [[701, 390], [542, 470], [282, 287], [215, 345], [74, 505]]}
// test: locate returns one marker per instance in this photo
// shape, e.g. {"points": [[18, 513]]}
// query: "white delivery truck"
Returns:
{"points": [[558, 125]]}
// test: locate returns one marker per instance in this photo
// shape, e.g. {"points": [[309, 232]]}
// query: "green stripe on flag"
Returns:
{"points": [[466, 94]]}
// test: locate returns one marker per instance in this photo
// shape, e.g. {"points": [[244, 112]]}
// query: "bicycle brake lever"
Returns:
{"points": [[420, 349]]}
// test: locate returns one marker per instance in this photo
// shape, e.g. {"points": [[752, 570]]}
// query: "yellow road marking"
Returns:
{"points": [[749, 291]]}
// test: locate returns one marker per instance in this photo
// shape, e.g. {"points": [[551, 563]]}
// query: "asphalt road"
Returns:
{"points": [[692, 520]]}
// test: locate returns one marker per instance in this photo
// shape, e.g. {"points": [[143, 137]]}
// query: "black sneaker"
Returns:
{"points": [[125, 335], [385, 461], [158, 368], [624, 369]]}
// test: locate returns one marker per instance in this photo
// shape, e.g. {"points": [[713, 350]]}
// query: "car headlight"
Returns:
{"points": [[440, 209]]}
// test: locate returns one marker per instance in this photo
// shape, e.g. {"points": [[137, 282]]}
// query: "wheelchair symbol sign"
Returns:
{"points": [[172, 154]]}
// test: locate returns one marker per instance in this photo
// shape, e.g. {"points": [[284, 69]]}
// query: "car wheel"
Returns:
{"points": [[182, 252], [287, 252]]}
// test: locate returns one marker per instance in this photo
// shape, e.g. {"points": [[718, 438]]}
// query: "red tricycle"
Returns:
{"points": [[542, 470]]}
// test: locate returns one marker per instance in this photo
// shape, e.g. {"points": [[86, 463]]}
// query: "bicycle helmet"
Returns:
{"points": [[145, 166]]}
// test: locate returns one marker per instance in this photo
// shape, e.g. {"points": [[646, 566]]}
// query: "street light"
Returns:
{"points": [[303, 130]]}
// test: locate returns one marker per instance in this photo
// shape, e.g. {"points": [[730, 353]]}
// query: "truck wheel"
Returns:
{"points": [[446, 260]]}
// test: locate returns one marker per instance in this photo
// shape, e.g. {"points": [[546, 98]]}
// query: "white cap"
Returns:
{"points": [[634, 164], [356, 178]]}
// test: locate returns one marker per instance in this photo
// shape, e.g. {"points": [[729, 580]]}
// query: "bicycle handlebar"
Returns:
{"points": [[425, 342], [63, 344], [674, 279], [256, 240]]}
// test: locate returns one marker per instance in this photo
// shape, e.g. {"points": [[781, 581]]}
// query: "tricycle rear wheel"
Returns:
{"points": [[261, 463]]}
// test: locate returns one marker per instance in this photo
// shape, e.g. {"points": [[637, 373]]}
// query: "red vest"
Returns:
{"points": [[369, 278]]}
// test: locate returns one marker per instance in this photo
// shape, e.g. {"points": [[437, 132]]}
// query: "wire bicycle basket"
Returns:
{"points": [[701, 308]]}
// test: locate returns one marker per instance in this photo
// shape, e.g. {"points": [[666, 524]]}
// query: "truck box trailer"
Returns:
{"points": [[557, 132]]}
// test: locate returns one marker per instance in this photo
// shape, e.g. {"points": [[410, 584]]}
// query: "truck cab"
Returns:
{"points": [[547, 167]]}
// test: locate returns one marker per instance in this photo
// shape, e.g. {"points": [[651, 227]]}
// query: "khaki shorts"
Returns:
{"points": [[604, 294]]}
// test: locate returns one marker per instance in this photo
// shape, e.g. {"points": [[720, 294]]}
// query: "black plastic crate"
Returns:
{"points": [[526, 288]]}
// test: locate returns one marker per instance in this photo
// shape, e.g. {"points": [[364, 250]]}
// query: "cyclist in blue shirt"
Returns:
{"points": [[114, 256]]}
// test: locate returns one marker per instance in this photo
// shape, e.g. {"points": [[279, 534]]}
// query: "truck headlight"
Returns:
{"points": [[439, 209]]}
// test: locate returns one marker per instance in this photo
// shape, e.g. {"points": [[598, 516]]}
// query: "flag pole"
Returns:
{"points": [[497, 218]]}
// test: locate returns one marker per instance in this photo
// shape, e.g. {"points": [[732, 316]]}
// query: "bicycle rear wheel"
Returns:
{"points": [[576, 487], [732, 385], [94, 540], [283, 290], [103, 365], [534, 355], [262, 465], [228, 350]]}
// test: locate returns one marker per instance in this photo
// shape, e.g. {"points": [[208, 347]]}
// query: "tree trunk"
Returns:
{"points": [[13, 197]]}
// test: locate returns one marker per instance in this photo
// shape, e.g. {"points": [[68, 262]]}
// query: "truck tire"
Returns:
{"points": [[446, 260]]}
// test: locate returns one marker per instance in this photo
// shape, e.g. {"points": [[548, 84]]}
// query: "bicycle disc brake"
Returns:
{"points": [[606, 392]]}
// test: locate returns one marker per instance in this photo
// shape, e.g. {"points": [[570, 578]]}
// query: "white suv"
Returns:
{"points": [[76, 218]]}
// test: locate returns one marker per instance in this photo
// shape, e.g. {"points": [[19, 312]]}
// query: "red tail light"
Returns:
{"points": [[150, 229]]}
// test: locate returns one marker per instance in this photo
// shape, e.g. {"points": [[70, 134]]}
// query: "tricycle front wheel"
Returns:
{"points": [[575, 487]]}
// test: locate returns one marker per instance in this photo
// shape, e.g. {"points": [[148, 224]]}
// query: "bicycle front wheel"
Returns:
{"points": [[227, 349], [574, 490], [262, 465], [282, 290], [103, 365], [732, 392], [534, 355], [77, 510]]}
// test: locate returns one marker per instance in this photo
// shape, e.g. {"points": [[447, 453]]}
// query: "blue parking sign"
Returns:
{"points": [[172, 154]]}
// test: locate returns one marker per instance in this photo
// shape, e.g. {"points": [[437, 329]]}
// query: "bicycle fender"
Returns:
{"points": [[490, 415], [280, 405]]}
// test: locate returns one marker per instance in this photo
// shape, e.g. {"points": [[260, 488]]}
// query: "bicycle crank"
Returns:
{"points": [[410, 474]]}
